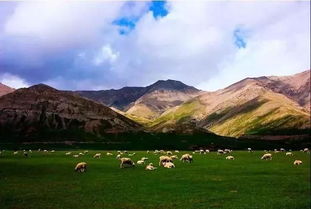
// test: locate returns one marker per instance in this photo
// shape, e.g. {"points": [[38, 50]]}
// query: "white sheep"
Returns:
{"points": [[150, 167], [109, 154], [132, 154], [75, 156], [81, 167], [169, 165], [306, 149], [297, 162], [249, 149], [126, 162], [15, 153], [144, 158], [140, 162], [220, 151], [68, 153], [230, 157], [169, 153], [97, 155], [267, 156], [164, 159], [289, 154], [186, 158]]}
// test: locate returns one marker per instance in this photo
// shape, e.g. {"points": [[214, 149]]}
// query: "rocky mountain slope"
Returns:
{"points": [[252, 106], [41, 109], [145, 103], [5, 89]]}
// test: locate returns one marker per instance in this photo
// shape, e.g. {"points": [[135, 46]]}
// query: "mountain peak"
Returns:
{"points": [[170, 85], [42, 88]]}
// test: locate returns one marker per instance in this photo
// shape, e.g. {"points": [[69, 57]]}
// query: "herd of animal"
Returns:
{"points": [[166, 158]]}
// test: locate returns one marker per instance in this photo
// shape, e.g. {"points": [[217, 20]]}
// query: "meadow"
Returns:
{"points": [[48, 181]]}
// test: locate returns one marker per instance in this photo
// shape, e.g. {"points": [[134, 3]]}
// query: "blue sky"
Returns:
{"points": [[128, 43]]}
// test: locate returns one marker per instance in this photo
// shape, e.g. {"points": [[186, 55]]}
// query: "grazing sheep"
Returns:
{"points": [[289, 154], [150, 167], [97, 155], [52, 150], [75, 156], [132, 154], [249, 149], [81, 167], [230, 157], [109, 154], [201, 151], [306, 149], [297, 162], [164, 159], [25, 154], [282, 149], [169, 165], [144, 158], [267, 156], [15, 153], [45, 150], [68, 153], [86, 151], [227, 150], [148, 151], [207, 150], [169, 153], [140, 162], [220, 151], [186, 158], [176, 151], [156, 152], [118, 156], [81, 153], [126, 162]]}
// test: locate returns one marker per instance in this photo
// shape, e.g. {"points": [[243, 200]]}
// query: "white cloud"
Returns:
{"points": [[106, 54], [194, 43], [13, 81]]}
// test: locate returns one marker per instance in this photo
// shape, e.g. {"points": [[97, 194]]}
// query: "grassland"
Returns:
{"points": [[47, 180]]}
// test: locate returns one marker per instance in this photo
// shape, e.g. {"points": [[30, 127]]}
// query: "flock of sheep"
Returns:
{"points": [[165, 160]]}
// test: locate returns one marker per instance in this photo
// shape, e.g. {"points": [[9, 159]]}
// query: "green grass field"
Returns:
{"points": [[48, 180]]}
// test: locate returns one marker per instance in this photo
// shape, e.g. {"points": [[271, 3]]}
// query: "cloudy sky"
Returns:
{"points": [[103, 45]]}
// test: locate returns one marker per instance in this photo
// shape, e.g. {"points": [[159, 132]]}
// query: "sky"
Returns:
{"points": [[93, 45]]}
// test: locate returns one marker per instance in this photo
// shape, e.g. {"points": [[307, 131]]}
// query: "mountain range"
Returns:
{"points": [[275, 105], [41, 110]]}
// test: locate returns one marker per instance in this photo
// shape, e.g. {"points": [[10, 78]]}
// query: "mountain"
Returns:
{"points": [[119, 99], [253, 106], [5, 89], [41, 110], [145, 103], [295, 87]]}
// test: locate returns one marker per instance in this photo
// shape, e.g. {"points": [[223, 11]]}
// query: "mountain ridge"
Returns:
{"points": [[45, 109]]}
